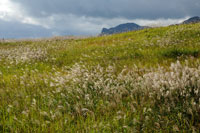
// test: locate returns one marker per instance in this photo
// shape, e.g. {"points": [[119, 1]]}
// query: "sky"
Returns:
{"points": [[45, 18]]}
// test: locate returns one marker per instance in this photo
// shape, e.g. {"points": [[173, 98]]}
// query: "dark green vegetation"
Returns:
{"points": [[118, 84]]}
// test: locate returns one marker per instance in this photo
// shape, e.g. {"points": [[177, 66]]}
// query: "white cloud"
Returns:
{"points": [[10, 11], [159, 22], [6, 9]]}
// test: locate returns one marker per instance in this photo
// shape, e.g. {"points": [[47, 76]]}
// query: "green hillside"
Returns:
{"points": [[140, 81]]}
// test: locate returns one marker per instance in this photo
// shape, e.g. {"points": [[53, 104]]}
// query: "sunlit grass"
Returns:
{"points": [[141, 81]]}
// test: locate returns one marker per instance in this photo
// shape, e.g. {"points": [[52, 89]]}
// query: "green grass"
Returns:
{"points": [[40, 89]]}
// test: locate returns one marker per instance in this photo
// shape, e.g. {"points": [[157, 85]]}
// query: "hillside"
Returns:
{"points": [[140, 81]]}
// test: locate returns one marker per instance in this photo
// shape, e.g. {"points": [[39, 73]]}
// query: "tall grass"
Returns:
{"points": [[142, 81]]}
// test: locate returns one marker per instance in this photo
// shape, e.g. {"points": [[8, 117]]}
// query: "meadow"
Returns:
{"points": [[140, 81]]}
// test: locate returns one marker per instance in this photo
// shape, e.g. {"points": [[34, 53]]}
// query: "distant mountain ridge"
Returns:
{"points": [[195, 19], [122, 28]]}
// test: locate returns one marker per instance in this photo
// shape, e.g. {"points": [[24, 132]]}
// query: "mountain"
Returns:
{"points": [[122, 28], [195, 19]]}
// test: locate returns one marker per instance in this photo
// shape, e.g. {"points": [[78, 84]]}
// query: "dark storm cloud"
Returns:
{"points": [[130, 9]]}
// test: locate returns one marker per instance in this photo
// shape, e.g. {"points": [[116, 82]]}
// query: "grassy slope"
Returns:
{"points": [[145, 48]]}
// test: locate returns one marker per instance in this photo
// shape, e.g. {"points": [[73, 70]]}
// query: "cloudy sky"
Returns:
{"points": [[43, 18]]}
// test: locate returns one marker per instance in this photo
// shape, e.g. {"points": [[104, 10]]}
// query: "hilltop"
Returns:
{"points": [[195, 19], [122, 28], [139, 81]]}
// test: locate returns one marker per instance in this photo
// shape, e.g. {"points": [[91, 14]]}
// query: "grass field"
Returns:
{"points": [[141, 81]]}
